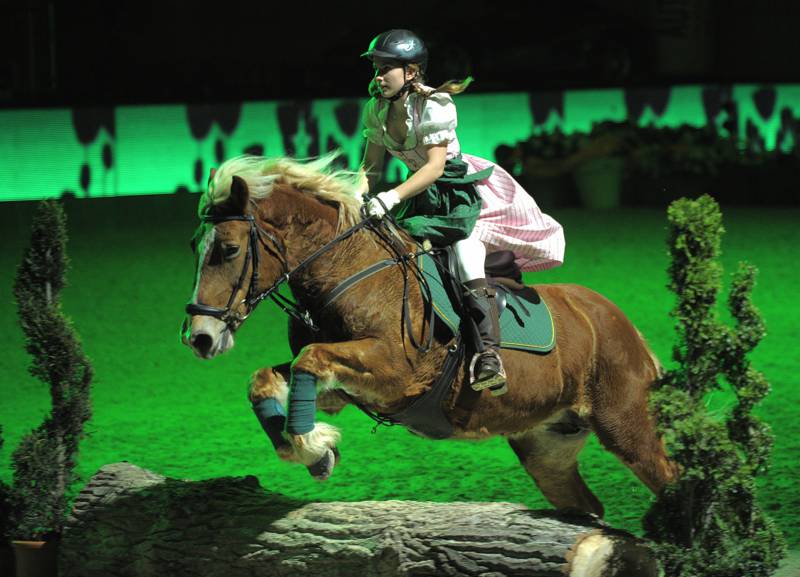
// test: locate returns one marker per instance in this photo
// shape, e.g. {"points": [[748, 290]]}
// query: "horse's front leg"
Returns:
{"points": [[303, 387], [319, 367], [269, 395]]}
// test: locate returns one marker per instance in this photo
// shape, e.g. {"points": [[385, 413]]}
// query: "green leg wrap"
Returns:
{"points": [[272, 417], [302, 403]]}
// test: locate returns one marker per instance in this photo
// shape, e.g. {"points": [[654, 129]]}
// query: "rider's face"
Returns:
{"points": [[389, 76]]}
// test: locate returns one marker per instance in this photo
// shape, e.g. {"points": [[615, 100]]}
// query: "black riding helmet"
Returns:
{"points": [[399, 45]]}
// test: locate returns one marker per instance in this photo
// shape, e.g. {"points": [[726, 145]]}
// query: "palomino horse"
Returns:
{"points": [[266, 221]]}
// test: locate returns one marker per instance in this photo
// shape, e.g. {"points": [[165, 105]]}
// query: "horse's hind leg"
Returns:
{"points": [[549, 454], [625, 427]]}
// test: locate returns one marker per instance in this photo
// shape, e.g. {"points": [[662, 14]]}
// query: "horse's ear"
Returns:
{"points": [[211, 176], [240, 194]]}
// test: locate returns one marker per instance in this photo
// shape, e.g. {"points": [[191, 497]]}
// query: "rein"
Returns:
{"points": [[256, 237]]}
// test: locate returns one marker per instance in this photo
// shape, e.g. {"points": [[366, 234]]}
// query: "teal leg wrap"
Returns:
{"points": [[272, 417], [302, 403]]}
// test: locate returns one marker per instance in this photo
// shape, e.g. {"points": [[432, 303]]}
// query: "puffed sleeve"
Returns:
{"points": [[373, 130], [439, 119]]}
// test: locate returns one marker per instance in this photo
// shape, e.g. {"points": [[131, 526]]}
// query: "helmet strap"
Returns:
{"points": [[400, 92], [405, 88]]}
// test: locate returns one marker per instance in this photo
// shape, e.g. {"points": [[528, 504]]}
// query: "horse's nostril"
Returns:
{"points": [[202, 343]]}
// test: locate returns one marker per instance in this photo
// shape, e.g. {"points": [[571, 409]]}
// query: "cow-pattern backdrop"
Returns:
{"points": [[159, 149]]}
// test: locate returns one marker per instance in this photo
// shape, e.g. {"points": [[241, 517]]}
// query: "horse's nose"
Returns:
{"points": [[202, 343]]}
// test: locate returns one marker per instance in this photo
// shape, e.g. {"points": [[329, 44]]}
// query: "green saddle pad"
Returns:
{"points": [[530, 329]]}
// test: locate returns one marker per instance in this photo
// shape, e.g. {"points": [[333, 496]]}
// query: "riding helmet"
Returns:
{"points": [[401, 45]]}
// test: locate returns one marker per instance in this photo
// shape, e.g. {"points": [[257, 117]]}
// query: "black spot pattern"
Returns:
{"points": [[542, 103], [108, 156], [787, 133], [198, 171], [348, 116], [254, 149], [764, 100], [86, 179], [201, 118], [718, 100], [87, 123], [289, 115], [637, 100]]}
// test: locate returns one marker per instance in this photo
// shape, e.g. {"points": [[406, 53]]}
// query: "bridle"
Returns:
{"points": [[256, 236]]}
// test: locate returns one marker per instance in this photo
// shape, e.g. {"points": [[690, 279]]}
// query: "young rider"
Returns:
{"points": [[450, 198]]}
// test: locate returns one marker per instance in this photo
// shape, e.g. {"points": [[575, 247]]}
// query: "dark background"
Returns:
{"points": [[87, 53]]}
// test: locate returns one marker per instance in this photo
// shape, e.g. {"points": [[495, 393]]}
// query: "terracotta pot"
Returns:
{"points": [[36, 558]]}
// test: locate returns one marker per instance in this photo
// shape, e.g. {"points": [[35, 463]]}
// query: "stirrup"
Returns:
{"points": [[496, 383]]}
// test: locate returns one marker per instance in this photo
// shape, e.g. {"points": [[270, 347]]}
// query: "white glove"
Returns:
{"points": [[390, 198]]}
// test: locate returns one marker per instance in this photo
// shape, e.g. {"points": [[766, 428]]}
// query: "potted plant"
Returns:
{"points": [[44, 461], [545, 167], [599, 165], [6, 553], [668, 163]]}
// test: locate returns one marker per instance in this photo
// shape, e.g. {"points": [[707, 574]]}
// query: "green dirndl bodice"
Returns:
{"points": [[447, 210]]}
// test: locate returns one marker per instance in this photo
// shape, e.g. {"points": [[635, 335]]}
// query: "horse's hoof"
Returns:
{"points": [[323, 468]]}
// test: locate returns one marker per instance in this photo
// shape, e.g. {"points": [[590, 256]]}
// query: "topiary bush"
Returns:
{"points": [[709, 523], [45, 459]]}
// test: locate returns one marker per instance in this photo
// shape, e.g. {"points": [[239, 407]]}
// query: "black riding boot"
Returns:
{"points": [[486, 368]]}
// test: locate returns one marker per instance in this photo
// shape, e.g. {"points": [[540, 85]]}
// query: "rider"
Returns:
{"points": [[450, 198]]}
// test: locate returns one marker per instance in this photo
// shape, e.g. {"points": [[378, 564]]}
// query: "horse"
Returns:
{"points": [[266, 222]]}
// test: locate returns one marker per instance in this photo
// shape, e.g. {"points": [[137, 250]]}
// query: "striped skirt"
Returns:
{"points": [[511, 220]]}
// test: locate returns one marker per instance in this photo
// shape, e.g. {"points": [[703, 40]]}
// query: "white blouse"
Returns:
{"points": [[430, 120]]}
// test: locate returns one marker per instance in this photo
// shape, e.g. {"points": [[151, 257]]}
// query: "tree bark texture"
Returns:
{"points": [[131, 522]]}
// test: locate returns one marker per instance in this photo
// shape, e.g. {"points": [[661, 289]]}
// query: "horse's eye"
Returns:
{"points": [[230, 251]]}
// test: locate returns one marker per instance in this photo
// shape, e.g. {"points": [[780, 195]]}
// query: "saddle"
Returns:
{"points": [[525, 324], [525, 320]]}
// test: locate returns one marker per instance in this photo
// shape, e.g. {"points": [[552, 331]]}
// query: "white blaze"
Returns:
{"points": [[203, 248]]}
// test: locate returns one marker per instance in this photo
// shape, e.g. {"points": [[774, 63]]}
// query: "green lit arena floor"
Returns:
{"points": [[158, 406]]}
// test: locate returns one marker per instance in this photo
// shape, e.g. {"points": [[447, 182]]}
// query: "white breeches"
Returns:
{"points": [[471, 254]]}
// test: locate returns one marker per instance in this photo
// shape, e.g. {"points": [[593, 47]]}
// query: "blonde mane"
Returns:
{"points": [[317, 178]]}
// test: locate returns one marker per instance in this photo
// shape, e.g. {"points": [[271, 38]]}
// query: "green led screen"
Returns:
{"points": [[134, 150]]}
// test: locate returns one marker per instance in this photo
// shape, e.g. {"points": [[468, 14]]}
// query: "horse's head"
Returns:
{"points": [[230, 270], [260, 221]]}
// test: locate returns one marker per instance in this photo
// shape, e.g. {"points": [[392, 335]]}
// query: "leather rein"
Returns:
{"points": [[272, 245]]}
